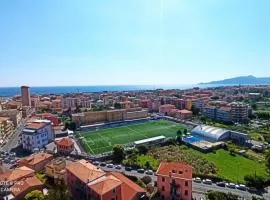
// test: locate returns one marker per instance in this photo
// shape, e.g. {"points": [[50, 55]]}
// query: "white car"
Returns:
{"points": [[149, 172], [241, 187], [207, 181], [197, 180], [110, 165], [231, 185]]}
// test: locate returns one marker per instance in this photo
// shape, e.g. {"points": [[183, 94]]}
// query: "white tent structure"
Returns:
{"points": [[211, 133]]}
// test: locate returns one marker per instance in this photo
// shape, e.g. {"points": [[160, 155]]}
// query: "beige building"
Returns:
{"points": [[109, 116], [56, 105], [6, 127], [14, 115], [56, 169], [26, 99]]}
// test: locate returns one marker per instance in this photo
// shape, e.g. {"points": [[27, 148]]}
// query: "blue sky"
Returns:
{"points": [[112, 42]]}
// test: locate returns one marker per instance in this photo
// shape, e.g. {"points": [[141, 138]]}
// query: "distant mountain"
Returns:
{"points": [[245, 80]]}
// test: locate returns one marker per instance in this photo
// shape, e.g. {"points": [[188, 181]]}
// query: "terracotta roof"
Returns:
{"points": [[129, 188], [16, 174], [35, 125], [185, 111], [85, 171], [177, 170], [104, 184], [65, 142], [25, 184], [35, 158]]}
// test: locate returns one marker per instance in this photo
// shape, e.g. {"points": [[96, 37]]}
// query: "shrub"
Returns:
{"points": [[146, 180]]}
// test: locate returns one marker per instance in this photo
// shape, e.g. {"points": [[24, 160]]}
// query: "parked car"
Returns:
{"points": [[207, 181], [96, 163], [149, 172], [128, 169], [12, 161], [140, 170], [231, 185], [118, 167], [110, 165], [221, 184], [241, 187], [102, 164], [197, 180]]}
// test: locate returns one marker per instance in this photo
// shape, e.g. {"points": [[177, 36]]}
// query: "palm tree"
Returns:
{"points": [[179, 135]]}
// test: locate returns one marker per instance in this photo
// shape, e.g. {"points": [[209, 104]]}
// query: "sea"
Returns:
{"points": [[13, 91]]}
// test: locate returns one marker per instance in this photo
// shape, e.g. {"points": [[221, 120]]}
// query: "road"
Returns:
{"points": [[13, 140], [197, 188]]}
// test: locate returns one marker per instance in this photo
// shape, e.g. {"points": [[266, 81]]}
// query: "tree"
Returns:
{"points": [[195, 110], [71, 125], [148, 165], [146, 180], [215, 195], [118, 153], [258, 182], [59, 192], [185, 131], [162, 102], [254, 106], [117, 105], [179, 135], [142, 149], [267, 161], [35, 195]]}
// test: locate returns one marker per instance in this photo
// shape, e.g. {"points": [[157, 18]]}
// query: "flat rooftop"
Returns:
{"points": [[149, 140]]}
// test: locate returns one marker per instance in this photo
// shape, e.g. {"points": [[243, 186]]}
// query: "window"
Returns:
{"points": [[163, 179], [186, 183], [163, 188], [186, 192], [114, 191], [173, 171], [180, 172]]}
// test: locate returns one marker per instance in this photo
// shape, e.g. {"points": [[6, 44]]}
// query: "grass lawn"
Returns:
{"points": [[233, 167], [103, 140]]}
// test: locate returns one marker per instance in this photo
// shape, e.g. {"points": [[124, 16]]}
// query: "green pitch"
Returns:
{"points": [[103, 140]]}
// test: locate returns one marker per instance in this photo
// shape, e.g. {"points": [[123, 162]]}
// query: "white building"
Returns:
{"points": [[37, 134]]}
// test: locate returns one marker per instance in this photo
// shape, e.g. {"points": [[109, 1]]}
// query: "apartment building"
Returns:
{"points": [[13, 114], [239, 112], [86, 181], [174, 181], [166, 109], [6, 128], [224, 114], [37, 134]]}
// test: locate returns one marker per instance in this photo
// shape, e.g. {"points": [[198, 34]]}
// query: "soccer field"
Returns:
{"points": [[103, 140]]}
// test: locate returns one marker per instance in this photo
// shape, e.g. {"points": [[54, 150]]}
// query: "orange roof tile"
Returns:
{"points": [[65, 142], [36, 158], [35, 125], [177, 170], [16, 174], [25, 184], [104, 184], [185, 111], [85, 171], [129, 188]]}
